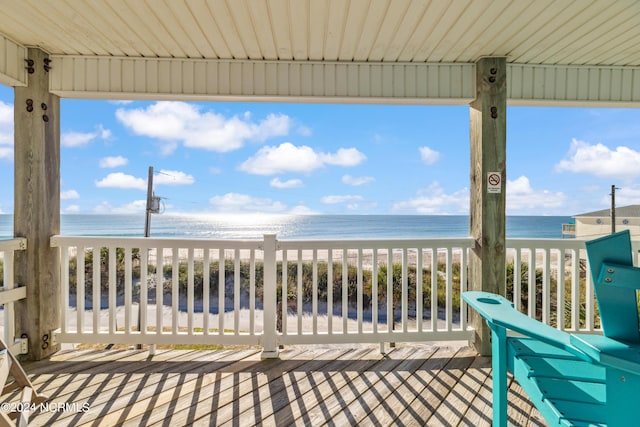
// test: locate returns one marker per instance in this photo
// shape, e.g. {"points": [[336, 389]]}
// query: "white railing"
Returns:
{"points": [[274, 293], [9, 294], [363, 302], [100, 305]]}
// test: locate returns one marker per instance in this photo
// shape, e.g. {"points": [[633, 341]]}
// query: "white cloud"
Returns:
{"points": [[521, 197], [169, 177], [236, 203], [627, 195], [291, 183], [69, 195], [286, 157], [344, 157], [182, 122], [113, 162], [332, 200], [6, 153], [6, 124], [137, 206], [428, 155], [600, 160], [433, 200], [122, 180], [80, 139], [357, 180], [302, 210], [71, 209]]}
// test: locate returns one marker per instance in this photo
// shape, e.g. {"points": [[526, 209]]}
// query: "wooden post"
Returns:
{"points": [[37, 205], [488, 179]]}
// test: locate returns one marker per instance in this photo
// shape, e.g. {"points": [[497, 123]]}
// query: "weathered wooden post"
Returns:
{"points": [[37, 205], [488, 177]]}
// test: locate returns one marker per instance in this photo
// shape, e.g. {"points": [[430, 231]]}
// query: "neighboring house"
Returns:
{"points": [[594, 224]]}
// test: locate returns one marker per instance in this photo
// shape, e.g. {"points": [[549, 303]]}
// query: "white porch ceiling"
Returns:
{"points": [[582, 51]]}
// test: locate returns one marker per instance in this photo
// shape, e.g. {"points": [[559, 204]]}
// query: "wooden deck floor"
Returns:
{"points": [[409, 386]]}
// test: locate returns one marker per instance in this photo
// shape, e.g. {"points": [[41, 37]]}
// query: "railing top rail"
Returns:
{"points": [[153, 242], [16, 244], [541, 243], [455, 242]]}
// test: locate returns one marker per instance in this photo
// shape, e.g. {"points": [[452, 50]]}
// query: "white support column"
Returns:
{"points": [[270, 337], [37, 205]]}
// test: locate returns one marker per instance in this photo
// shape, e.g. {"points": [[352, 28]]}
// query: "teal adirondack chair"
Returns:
{"points": [[573, 379]]}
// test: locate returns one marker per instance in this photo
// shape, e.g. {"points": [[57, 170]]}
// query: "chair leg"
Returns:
{"points": [[499, 376]]}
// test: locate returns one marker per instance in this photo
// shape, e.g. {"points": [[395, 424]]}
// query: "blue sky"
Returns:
{"points": [[328, 159]]}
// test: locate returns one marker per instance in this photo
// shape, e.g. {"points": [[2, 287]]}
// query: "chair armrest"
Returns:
{"points": [[622, 276], [499, 311], [609, 352]]}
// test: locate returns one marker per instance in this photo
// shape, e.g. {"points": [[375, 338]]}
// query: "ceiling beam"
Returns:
{"points": [[12, 63], [275, 81]]}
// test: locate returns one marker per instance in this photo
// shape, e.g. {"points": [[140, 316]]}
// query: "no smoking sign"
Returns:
{"points": [[494, 182]]}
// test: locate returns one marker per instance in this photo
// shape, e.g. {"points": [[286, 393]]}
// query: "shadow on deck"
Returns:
{"points": [[339, 385]]}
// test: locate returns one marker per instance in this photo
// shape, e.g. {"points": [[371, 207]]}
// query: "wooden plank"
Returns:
{"points": [[342, 403], [120, 385], [480, 410], [37, 207], [395, 395], [332, 380], [281, 389], [453, 410], [437, 383], [219, 400], [413, 385], [136, 394], [372, 403], [488, 206]]}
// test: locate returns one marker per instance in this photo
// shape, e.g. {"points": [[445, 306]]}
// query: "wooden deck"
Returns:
{"points": [[411, 385]]}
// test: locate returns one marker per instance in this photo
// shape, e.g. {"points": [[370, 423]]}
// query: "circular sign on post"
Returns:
{"points": [[494, 182]]}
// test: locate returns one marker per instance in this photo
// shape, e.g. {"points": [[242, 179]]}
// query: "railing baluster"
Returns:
{"points": [[64, 270], [374, 290], [285, 293], [517, 279], [390, 319], [359, 292], [330, 292], [144, 288], [190, 290], [532, 283], [405, 291], [80, 288], [236, 292], [314, 291], [159, 289], [560, 289], [299, 293], [546, 286], [434, 289], [206, 286], [463, 288], [575, 292], [221, 290], [449, 289], [112, 290], [127, 290], [345, 292], [175, 289], [252, 292], [419, 294], [97, 289]]}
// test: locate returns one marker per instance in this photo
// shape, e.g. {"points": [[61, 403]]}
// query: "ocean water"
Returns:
{"points": [[293, 226]]}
